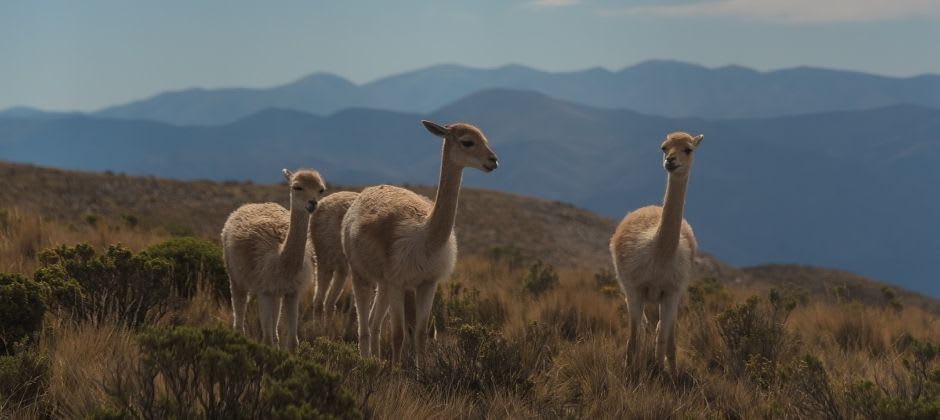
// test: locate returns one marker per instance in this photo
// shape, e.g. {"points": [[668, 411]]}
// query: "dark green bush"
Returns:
{"points": [[540, 279], [465, 306], [22, 306], [216, 373], [480, 361], [916, 395], [754, 337], [23, 376], [196, 263], [130, 289]]}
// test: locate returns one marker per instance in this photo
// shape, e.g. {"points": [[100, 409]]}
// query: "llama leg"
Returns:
{"points": [[239, 307], [363, 293], [336, 288], [424, 300], [291, 312], [269, 308], [635, 321], [396, 306], [324, 275], [665, 344], [651, 314], [376, 317]]}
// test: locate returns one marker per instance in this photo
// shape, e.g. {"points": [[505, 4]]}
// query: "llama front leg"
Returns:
{"points": [[665, 333], [363, 293], [424, 301], [269, 305], [291, 311]]}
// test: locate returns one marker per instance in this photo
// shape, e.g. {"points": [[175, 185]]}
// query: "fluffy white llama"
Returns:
{"points": [[266, 254], [400, 241], [653, 249], [326, 234]]}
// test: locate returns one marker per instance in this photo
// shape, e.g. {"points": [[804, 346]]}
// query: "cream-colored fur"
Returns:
{"points": [[653, 250], [266, 254], [326, 234], [398, 242]]}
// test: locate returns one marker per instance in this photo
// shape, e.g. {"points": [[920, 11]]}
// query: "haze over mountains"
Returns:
{"points": [[666, 88], [852, 189]]}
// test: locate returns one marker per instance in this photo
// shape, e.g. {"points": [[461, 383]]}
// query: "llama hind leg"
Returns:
{"points": [[651, 315], [324, 274], [424, 301], [665, 333], [336, 288], [396, 307], [239, 307], [376, 317], [363, 293]]}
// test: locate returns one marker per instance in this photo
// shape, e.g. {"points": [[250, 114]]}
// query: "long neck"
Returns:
{"points": [[670, 224], [292, 252], [441, 222]]}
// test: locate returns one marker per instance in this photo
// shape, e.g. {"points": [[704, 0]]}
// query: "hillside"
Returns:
{"points": [[556, 232], [812, 189]]}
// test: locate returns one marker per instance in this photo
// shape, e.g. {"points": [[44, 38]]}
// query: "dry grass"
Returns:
{"points": [[569, 341]]}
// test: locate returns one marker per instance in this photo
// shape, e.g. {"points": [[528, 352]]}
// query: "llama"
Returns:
{"points": [[400, 242], [653, 249], [326, 235], [265, 250]]}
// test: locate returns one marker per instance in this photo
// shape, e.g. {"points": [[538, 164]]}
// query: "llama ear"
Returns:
{"points": [[435, 129], [287, 174], [697, 139]]}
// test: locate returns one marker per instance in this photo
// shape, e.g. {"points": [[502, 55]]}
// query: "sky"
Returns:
{"points": [[85, 55]]}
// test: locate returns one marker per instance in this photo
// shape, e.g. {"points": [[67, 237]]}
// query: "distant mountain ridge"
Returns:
{"points": [[847, 189], [657, 87]]}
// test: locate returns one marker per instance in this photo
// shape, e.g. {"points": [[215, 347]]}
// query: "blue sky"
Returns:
{"points": [[84, 55]]}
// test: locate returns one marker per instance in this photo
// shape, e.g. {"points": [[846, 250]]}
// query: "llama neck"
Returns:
{"points": [[670, 224], [293, 250], [441, 222]]}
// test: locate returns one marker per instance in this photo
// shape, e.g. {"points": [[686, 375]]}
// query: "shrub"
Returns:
{"points": [[465, 306], [187, 372], [196, 263], [540, 279], [755, 338], [916, 394], [811, 393], [131, 289], [480, 361], [23, 376], [22, 306]]}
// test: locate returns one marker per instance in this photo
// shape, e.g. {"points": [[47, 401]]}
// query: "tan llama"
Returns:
{"points": [[653, 250], [266, 254], [399, 241]]}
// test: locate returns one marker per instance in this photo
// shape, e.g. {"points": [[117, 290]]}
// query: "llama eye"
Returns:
{"points": [[467, 143], [322, 190], [688, 151], [298, 188]]}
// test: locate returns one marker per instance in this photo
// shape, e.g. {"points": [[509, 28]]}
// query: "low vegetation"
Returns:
{"points": [[129, 318]]}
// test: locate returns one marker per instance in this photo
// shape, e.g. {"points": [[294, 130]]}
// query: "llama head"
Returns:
{"points": [[306, 188], [465, 145], [677, 152]]}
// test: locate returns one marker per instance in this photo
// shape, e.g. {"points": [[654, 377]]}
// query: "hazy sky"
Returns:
{"points": [[83, 55]]}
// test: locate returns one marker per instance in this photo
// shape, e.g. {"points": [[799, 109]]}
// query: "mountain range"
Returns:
{"points": [[849, 189], [665, 88]]}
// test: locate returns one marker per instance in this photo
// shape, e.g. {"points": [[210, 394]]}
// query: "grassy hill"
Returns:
{"points": [[515, 339]]}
